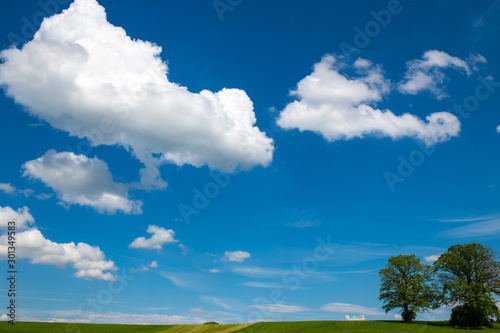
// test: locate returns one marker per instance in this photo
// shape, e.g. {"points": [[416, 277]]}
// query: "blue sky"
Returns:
{"points": [[237, 161]]}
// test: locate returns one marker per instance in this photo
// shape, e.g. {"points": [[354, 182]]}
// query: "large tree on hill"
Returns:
{"points": [[470, 275], [408, 284]]}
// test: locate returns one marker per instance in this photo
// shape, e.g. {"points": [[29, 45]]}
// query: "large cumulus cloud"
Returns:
{"points": [[85, 76]]}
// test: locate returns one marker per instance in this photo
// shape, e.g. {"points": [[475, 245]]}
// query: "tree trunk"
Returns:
{"points": [[406, 313]]}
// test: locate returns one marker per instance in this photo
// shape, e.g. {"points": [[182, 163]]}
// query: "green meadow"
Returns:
{"points": [[274, 327]]}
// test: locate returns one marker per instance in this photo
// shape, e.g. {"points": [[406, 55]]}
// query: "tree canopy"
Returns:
{"points": [[470, 275], [408, 284]]}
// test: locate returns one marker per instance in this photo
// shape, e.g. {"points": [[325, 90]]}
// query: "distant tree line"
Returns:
{"points": [[465, 278]]}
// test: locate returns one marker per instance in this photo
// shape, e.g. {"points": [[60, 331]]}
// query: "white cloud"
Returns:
{"points": [[185, 249], [143, 268], [339, 107], [498, 129], [186, 280], [193, 316], [85, 76], [44, 196], [268, 285], [212, 270], [479, 229], [197, 309], [89, 261], [332, 307], [469, 219], [236, 256], [72, 316], [228, 304], [4, 317], [257, 272], [430, 259], [398, 317], [355, 318], [351, 308], [280, 308], [140, 269], [159, 237], [426, 74], [304, 224], [80, 180], [474, 59], [9, 189], [22, 217]]}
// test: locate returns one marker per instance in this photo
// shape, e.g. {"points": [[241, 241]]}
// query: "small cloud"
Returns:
{"points": [[198, 309], [156, 308], [159, 237], [4, 317], [154, 264], [268, 285], [363, 63], [474, 59], [426, 74], [304, 224], [236, 256], [432, 258], [351, 308], [88, 261], [137, 270], [469, 219], [185, 280], [257, 272], [212, 270], [9, 189], [26, 192], [498, 129], [355, 318], [184, 248], [44, 196], [280, 308], [79, 180], [230, 304], [22, 217], [398, 317], [489, 227]]}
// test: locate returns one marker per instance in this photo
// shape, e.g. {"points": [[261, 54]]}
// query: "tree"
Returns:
{"points": [[408, 284], [470, 275]]}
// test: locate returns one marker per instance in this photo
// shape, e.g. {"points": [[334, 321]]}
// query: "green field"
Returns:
{"points": [[277, 327]]}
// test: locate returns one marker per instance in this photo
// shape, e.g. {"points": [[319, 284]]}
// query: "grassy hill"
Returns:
{"points": [[275, 327], [351, 327]]}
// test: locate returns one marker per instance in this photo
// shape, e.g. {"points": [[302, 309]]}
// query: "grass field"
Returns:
{"points": [[277, 327]]}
